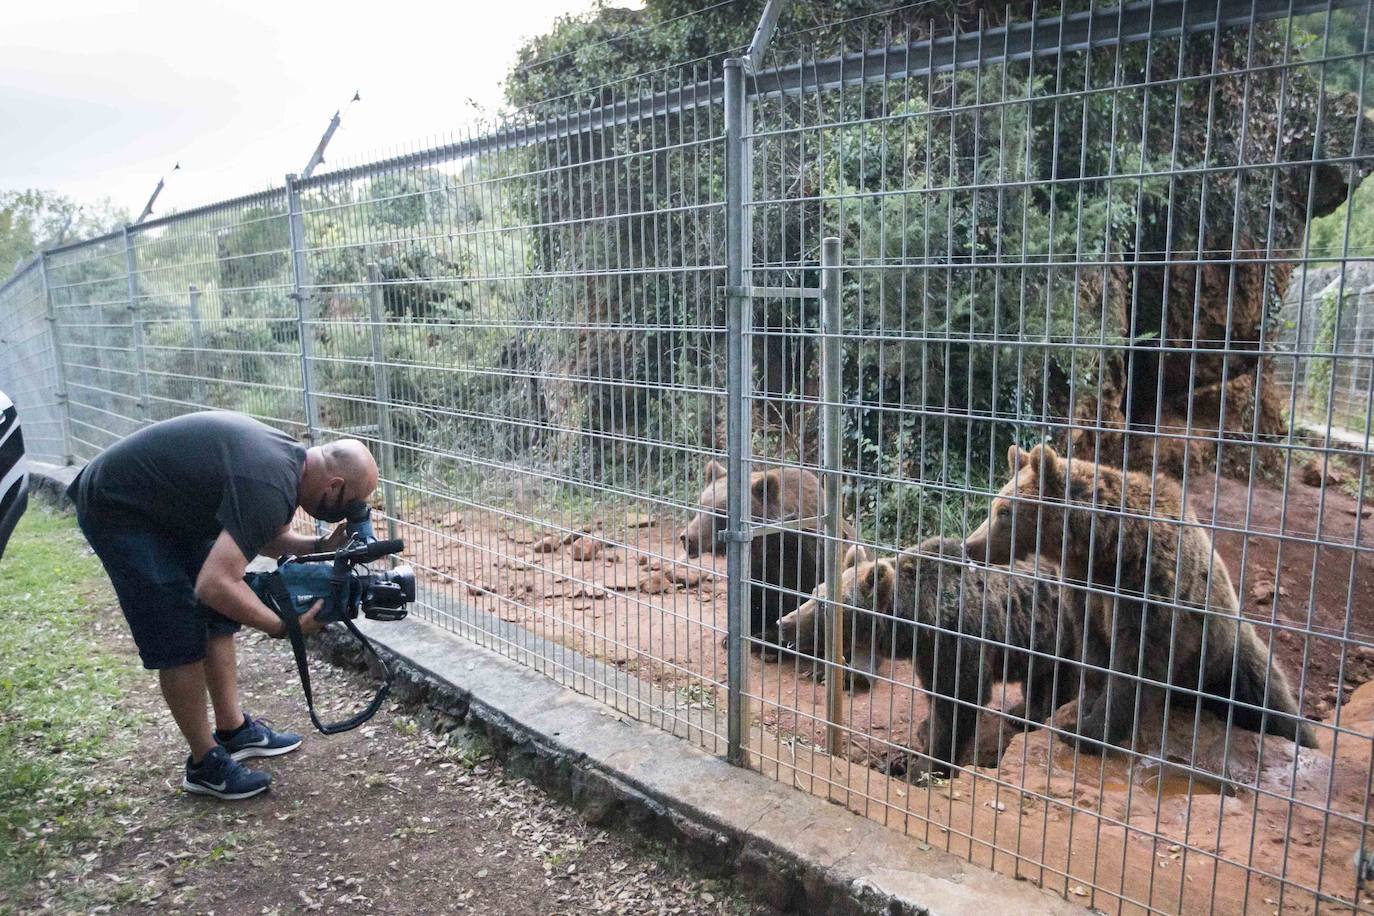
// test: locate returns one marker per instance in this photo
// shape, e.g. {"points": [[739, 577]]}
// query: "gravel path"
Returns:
{"points": [[386, 819]]}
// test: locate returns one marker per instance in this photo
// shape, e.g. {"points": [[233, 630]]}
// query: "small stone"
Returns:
{"points": [[548, 544], [683, 575], [586, 548], [656, 584]]}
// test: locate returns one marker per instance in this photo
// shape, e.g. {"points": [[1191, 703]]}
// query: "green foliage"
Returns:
{"points": [[58, 692], [1319, 376], [254, 251], [32, 220], [1330, 237]]}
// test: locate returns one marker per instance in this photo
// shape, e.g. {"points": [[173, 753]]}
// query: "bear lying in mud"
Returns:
{"points": [[785, 566], [965, 627], [1150, 568]]}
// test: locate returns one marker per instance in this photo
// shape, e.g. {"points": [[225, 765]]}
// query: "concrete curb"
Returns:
{"points": [[49, 482], [792, 850]]}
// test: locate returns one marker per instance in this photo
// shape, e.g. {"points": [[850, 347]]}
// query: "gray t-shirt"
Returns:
{"points": [[194, 476]]}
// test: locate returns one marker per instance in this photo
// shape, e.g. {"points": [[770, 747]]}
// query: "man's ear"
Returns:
{"points": [[714, 471]]}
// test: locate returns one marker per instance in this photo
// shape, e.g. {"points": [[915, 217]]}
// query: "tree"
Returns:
{"points": [[32, 220], [1146, 224]]}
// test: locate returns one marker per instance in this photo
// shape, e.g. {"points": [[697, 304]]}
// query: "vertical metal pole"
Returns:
{"points": [[300, 293], [64, 407], [197, 349], [381, 376], [136, 331], [736, 412], [831, 460]]}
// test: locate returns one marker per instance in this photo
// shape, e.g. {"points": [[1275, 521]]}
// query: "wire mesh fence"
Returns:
{"points": [[1029, 514], [1323, 306]]}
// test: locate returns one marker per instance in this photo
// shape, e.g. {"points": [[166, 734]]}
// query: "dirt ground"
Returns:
{"points": [[625, 594], [1282, 577], [386, 819]]}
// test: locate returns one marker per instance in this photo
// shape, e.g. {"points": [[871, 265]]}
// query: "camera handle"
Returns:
{"points": [[280, 601]]}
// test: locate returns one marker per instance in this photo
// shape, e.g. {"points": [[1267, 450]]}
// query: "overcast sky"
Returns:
{"points": [[100, 98]]}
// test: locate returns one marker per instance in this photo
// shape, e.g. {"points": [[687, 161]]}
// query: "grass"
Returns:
{"points": [[58, 703]]}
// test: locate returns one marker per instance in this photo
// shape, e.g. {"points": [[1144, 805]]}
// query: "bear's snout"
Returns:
{"points": [[691, 542]]}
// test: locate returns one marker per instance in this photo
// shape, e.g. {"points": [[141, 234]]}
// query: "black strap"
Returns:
{"points": [[279, 600]]}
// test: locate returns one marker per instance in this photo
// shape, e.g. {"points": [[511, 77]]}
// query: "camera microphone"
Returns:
{"points": [[373, 550]]}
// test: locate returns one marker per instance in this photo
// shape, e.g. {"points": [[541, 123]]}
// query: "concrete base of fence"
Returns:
{"points": [[792, 850], [50, 481]]}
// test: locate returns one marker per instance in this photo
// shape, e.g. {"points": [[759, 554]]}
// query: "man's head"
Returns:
{"points": [[336, 476]]}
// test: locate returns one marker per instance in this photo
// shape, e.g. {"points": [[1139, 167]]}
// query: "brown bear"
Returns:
{"points": [[1147, 564], [965, 627], [784, 567]]}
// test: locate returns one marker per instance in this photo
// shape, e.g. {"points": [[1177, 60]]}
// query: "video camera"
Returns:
{"points": [[343, 580]]}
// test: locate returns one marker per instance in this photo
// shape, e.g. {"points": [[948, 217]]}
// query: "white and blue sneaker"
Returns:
{"points": [[255, 739], [222, 776]]}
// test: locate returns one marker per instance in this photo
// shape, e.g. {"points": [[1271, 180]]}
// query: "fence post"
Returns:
{"points": [[381, 377], [738, 317], [831, 459], [300, 293], [198, 386], [64, 408], [136, 331]]}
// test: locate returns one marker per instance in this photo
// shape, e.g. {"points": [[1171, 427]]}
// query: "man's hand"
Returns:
{"points": [[332, 541], [308, 621], [289, 542]]}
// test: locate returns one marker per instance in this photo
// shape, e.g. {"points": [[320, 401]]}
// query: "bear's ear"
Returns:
{"points": [[767, 491], [1016, 459], [885, 583], [865, 575], [714, 471], [1047, 462], [853, 556]]}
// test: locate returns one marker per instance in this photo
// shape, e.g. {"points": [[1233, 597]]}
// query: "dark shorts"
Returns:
{"points": [[154, 577]]}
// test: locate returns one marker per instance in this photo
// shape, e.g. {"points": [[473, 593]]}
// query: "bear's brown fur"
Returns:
{"points": [[1147, 563], [965, 627], [784, 567]]}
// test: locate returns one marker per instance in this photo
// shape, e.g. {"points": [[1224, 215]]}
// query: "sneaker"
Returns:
{"points": [[255, 739], [220, 775]]}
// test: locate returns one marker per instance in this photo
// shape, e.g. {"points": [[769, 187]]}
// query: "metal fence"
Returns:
{"points": [[1326, 305], [674, 390]]}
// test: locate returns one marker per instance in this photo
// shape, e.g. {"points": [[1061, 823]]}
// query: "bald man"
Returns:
{"points": [[176, 512]]}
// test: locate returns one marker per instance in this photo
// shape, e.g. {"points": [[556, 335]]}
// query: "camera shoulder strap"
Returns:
{"points": [[279, 599]]}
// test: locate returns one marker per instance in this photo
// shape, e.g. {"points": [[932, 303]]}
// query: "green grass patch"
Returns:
{"points": [[60, 704]]}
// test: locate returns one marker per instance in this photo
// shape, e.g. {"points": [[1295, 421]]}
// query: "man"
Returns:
{"points": [[176, 512]]}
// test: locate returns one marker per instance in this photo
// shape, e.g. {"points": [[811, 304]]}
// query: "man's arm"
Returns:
{"points": [[289, 542], [221, 586]]}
